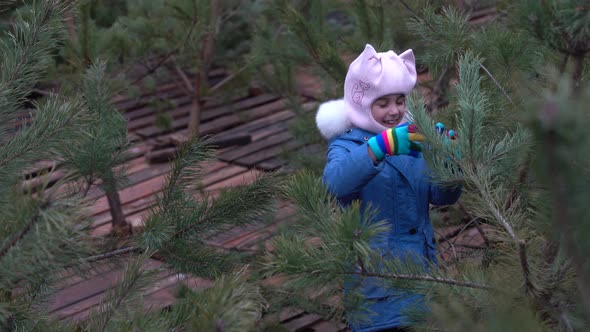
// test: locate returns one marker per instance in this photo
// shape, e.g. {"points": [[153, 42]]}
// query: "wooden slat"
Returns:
{"points": [[300, 323], [146, 116], [220, 239], [132, 193], [252, 159], [328, 326], [73, 298], [270, 141], [128, 104], [136, 209], [238, 180], [210, 112], [83, 309], [250, 238], [218, 124]]}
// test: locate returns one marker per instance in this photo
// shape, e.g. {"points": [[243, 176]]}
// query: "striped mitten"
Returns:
{"points": [[401, 140]]}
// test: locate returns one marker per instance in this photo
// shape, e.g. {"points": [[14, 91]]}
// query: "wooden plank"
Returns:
{"points": [[270, 141], [72, 277], [178, 108], [220, 239], [264, 132], [136, 209], [220, 123], [210, 111], [83, 309], [145, 173], [271, 164], [260, 123], [329, 326], [275, 151], [240, 179], [290, 313], [127, 104], [248, 236], [165, 297], [132, 193], [136, 220], [264, 238], [129, 210], [278, 162], [223, 174], [67, 299], [146, 116], [143, 108], [300, 323]]}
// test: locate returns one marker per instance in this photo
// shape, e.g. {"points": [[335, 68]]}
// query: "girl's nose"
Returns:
{"points": [[393, 110]]}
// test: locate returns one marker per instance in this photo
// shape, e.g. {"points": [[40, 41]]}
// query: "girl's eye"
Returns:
{"points": [[401, 101]]}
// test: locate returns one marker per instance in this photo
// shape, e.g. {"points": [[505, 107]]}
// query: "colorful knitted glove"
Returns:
{"points": [[450, 136], [401, 140]]}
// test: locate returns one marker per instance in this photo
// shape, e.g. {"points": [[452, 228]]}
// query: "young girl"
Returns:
{"points": [[372, 159]]}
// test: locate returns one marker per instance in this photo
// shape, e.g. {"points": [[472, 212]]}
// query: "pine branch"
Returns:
{"points": [[489, 202], [21, 234], [167, 56], [522, 176], [187, 87], [414, 13], [133, 281], [416, 277], [25, 55], [497, 83], [529, 285], [114, 253]]}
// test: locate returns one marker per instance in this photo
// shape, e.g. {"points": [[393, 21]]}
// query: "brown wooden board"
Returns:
{"points": [[274, 140], [253, 159], [302, 322], [182, 106], [218, 124], [220, 239], [85, 307], [72, 299], [136, 209], [328, 326]]}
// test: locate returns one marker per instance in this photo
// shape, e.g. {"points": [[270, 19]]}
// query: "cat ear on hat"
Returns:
{"points": [[368, 53], [409, 60]]}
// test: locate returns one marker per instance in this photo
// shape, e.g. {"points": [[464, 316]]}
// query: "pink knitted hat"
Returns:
{"points": [[372, 75]]}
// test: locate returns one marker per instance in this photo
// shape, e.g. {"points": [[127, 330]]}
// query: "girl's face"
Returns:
{"points": [[389, 110]]}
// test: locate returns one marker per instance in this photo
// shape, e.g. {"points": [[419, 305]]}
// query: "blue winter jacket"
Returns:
{"points": [[400, 189]]}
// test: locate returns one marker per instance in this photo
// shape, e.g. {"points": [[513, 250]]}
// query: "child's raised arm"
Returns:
{"points": [[348, 169]]}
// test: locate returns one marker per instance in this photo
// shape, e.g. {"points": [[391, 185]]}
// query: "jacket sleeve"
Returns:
{"points": [[348, 169], [444, 196]]}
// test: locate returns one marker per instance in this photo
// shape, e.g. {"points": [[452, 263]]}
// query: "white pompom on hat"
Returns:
{"points": [[370, 76]]}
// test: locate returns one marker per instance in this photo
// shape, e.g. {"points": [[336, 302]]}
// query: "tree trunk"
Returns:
{"points": [[84, 47], [118, 218], [70, 23], [206, 56], [195, 114]]}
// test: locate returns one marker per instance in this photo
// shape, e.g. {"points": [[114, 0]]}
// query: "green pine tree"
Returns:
{"points": [[98, 157], [44, 236], [38, 234]]}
